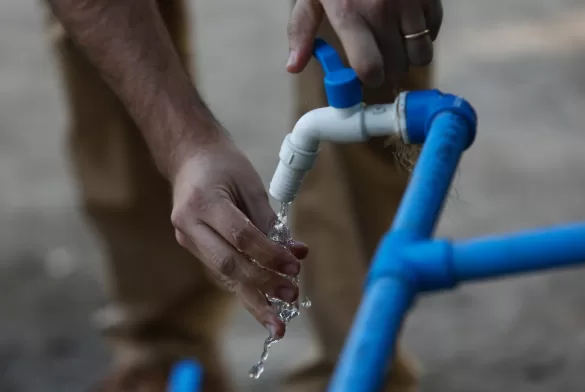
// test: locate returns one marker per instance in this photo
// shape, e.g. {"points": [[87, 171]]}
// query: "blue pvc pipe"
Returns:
{"points": [[366, 355], [425, 195], [367, 352], [526, 251], [186, 376]]}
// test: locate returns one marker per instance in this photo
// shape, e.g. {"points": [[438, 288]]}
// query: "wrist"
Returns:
{"points": [[187, 139]]}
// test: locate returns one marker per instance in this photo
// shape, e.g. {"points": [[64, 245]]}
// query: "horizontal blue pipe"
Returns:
{"points": [[425, 195], [523, 252], [370, 345]]}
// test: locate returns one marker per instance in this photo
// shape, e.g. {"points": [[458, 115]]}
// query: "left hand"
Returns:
{"points": [[372, 33]]}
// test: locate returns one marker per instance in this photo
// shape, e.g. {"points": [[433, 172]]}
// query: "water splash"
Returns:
{"points": [[280, 233]]}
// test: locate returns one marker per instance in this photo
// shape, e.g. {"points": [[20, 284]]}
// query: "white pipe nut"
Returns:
{"points": [[289, 174], [296, 158]]}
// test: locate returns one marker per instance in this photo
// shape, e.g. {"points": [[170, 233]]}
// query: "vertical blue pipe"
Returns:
{"points": [[365, 357], [526, 251], [186, 376], [425, 195]]}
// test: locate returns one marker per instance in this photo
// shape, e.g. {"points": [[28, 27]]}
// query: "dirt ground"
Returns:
{"points": [[519, 62]]}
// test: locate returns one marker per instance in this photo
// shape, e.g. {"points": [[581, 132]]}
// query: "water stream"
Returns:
{"points": [[285, 311]]}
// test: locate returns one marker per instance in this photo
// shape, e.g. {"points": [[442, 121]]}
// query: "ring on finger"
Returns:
{"points": [[416, 35]]}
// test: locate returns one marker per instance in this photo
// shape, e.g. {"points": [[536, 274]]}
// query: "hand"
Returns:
{"points": [[221, 214], [371, 32]]}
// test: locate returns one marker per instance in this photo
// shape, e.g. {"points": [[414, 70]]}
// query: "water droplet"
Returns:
{"points": [[256, 371]]}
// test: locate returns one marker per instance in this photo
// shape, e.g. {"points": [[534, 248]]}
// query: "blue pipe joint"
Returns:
{"points": [[422, 107], [432, 264], [342, 85], [424, 266], [388, 262]]}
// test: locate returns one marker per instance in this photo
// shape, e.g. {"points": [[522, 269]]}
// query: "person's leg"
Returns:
{"points": [[346, 203], [163, 306]]}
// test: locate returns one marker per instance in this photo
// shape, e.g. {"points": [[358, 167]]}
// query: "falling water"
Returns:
{"points": [[285, 311]]}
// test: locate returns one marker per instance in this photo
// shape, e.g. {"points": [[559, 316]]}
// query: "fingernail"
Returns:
{"points": [[271, 329], [286, 294], [290, 269], [300, 244], [292, 58]]}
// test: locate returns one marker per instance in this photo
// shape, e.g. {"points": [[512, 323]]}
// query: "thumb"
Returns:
{"points": [[302, 29]]}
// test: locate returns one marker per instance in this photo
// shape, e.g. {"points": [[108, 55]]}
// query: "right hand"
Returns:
{"points": [[372, 33], [221, 215]]}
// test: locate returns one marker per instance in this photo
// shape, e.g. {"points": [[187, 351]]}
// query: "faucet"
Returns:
{"points": [[345, 120], [348, 120]]}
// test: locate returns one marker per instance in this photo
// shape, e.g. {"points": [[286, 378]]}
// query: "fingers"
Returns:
{"points": [[233, 225], [257, 304], [384, 23], [433, 10], [240, 276], [358, 41], [419, 47], [263, 217], [232, 268], [299, 249], [302, 29], [383, 38]]}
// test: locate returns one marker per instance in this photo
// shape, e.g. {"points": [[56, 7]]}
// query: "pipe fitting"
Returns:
{"points": [[423, 265], [422, 107]]}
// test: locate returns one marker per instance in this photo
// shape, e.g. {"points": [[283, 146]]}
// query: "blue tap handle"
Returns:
{"points": [[342, 85]]}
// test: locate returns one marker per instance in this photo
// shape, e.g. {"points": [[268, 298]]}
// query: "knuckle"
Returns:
{"points": [[225, 264], [181, 238], [242, 236], [177, 220], [229, 284], [198, 201]]}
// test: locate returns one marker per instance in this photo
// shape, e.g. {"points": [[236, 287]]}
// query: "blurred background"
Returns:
{"points": [[519, 62]]}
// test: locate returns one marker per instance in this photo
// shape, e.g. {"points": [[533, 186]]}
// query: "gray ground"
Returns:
{"points": [[519, 62]]}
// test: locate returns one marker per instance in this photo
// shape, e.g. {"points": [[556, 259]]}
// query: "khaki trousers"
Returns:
{"points": [[163, 304]]}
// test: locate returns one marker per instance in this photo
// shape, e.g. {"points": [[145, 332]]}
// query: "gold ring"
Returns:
{"points": [[416, 35]]}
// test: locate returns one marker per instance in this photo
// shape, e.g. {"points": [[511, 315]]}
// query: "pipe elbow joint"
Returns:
{"points": [[422, 107], [425, 266], [306, 134]]}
